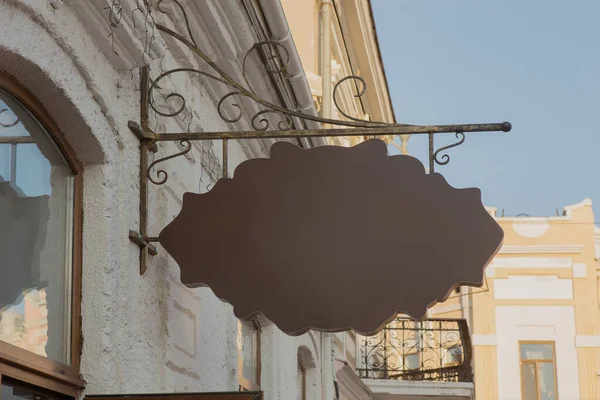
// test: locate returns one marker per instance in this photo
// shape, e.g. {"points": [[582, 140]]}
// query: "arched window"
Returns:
{"points": [[305, 378], [40, 242]]}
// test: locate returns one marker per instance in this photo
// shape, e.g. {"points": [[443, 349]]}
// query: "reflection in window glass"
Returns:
{"points": [[4, 160], [536, 351], [413, 361], [529, 382], [33, 176], [36, 227], [453, 355], [546, 379]]}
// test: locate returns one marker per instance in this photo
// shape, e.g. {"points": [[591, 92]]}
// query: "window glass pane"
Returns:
{"points": [[413, 361], [33, 177], [247, 350], [453, 355], [36, 228], [4, 160], [537, 351], [546, 380], [528, 381]]}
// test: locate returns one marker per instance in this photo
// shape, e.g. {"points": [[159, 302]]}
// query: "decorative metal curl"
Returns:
{"points": [[284, 125], [154, 85], [274, 62], [220, 108], [361, 90], [161, 174], [185, 17], [11, 124], [445, 158]]}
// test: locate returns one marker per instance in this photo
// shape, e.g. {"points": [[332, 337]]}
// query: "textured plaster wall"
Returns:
{"points": [[141, 333]]}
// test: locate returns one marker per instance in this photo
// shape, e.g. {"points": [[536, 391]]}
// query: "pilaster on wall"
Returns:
{"points": [[486, 381]]}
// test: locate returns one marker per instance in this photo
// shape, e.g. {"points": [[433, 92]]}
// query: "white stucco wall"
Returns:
{"points": [[141, 333]]}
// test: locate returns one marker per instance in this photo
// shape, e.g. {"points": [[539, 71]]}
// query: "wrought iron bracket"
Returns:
{"points": [[143, 241], [274, 58]]}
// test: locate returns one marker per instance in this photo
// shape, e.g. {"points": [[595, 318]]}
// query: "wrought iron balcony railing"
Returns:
{"points": [[429, 350]]}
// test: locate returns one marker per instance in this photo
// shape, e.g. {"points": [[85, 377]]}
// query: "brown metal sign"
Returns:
{"points": [[332, 238]]}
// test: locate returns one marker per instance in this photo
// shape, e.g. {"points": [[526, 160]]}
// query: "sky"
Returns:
{"points": [[535, 63]]}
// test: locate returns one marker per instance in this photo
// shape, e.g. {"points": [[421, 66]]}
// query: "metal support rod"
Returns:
{"points": [[372, 131], [143, 170], [144, 242], [148, 140], [431, 154], [225, 158]]}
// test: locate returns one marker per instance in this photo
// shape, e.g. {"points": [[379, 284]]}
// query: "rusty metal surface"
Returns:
{"points": [[332, 238], [334, 132], [143, 167]]}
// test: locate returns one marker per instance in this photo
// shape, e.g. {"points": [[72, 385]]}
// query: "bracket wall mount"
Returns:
{"points": [[274, 57]]}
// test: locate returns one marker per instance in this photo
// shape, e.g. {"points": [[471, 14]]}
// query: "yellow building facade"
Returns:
{"points": [[535, 325]]}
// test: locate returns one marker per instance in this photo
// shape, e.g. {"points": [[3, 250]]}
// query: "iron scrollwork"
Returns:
{"points": [[161, 175], [429, 350], [275, 59], [445, 158], [275, 62]]}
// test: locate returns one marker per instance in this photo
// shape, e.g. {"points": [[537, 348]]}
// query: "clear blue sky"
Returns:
{"points": [[535, 63]]}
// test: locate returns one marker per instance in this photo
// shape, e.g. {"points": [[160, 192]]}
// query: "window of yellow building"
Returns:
{"points": [[538, 371]]}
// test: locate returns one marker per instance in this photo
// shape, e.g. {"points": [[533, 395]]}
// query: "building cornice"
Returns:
{"points": [[351, 385], [380, 57], [542, 249], [423, 389]]}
